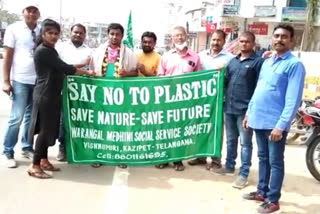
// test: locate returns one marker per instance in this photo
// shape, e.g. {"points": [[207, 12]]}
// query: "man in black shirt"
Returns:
{"points": [[241, 78]]}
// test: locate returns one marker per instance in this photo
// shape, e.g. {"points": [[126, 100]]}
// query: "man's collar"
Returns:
{"points": [[149, 53], [283, 56], [27, 27], [187, 53], [222, 52], [251, 56], [81, 46]]}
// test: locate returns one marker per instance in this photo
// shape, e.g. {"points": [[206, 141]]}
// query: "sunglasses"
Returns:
{"points": [[34, 36]]}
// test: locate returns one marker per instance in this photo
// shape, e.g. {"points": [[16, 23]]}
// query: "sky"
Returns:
{"points": [[147, 15]]}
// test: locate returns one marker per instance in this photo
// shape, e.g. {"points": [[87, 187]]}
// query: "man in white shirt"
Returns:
{"points": [[73, 52], [19, 80], [213, 58]]}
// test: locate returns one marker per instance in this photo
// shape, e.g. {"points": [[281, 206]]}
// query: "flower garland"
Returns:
{"points": [[105, 62]]}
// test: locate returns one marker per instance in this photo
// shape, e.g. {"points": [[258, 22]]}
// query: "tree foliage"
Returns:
{"points": [[7, 17]]}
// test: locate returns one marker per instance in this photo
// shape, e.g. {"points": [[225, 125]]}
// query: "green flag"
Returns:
{"points": [[129, 40]]}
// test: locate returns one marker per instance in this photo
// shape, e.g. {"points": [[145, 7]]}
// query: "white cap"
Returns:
{"points": [[28, 3]]}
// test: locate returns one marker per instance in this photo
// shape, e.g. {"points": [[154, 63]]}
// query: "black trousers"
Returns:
{"points": [[46, 136]]}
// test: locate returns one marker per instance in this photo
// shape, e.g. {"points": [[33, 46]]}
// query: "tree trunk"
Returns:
{"points": [[308, 34]]}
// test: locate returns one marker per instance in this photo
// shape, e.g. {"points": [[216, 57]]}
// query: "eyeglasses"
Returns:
{"points": [[34, 36]]}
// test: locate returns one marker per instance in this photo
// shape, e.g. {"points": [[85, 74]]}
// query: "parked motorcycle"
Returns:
{"points": [[301, 125], [313, 143], [307, 126]]}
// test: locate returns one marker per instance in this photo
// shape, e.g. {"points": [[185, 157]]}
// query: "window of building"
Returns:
{"points": [[297, 3]]}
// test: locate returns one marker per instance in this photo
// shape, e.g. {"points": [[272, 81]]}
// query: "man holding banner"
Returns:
{"points": [[114, 59], [180, 60], [73, 52], [148, 59], [241, 78], [213, 58]]}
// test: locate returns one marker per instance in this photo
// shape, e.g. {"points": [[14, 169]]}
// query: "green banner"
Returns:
{"points": [[141, 121]]}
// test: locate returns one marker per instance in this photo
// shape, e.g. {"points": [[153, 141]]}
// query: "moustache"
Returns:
{"points": [[279, 43]]}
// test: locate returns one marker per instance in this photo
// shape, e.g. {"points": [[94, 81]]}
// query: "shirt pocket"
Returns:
{"points": [[244, 75], [246, 70], [274, 80], [188, 66], [243, 72]]}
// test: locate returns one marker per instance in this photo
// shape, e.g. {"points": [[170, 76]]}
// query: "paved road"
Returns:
{"points": [[80, 189]]}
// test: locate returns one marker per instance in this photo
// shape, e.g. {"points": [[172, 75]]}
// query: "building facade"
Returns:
{"points": [[258, 16]]}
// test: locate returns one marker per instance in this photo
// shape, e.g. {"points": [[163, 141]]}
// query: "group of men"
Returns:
{"points": [[261, 95]]}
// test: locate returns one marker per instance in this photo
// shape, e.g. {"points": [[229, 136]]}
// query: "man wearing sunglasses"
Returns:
{"points": [[18, 81]]}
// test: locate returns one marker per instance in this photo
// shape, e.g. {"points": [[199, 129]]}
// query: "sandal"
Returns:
{"points": [[38, 174], [47, 166], [178, 166], [122, 166], [162, 166], [197, 161], [96, 165], [213, 165]]}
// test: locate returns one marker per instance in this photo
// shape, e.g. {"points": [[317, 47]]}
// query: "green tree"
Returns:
{"points": [[7, 17]]}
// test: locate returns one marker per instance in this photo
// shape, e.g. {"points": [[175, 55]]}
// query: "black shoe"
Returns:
{"points": [[178, 166]]}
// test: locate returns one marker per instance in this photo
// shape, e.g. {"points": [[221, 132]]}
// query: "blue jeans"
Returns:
{"points": [[20, 111], [271, 165], [234, 130]]}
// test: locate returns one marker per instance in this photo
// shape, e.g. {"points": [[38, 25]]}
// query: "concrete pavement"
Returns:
{"points": [[82, 189]]}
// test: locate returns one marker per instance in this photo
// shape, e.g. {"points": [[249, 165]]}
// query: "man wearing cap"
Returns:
{"points": [[73, 52], [18, 81]]}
